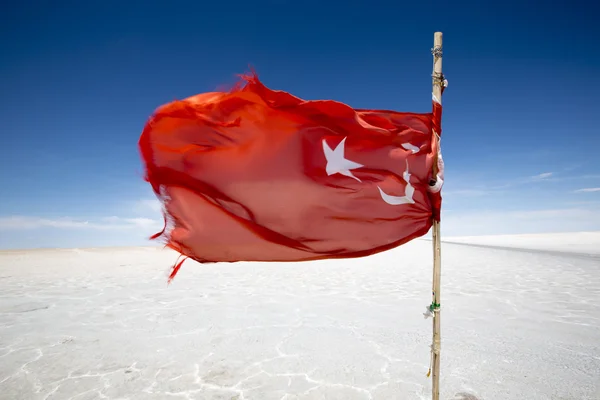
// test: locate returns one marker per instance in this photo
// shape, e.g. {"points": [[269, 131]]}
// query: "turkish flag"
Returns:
{"points": [[255, 174]]}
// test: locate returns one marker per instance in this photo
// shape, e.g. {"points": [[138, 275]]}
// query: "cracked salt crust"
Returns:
{"points": [[103, 324]]}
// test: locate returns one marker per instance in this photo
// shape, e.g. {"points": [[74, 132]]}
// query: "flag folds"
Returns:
{"points": [[255, 174]]}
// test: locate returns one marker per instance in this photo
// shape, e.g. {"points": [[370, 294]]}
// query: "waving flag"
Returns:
{"points": [[261, 175]]}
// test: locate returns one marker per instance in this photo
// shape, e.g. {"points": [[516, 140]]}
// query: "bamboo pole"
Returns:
{"points": [[438, 82]]}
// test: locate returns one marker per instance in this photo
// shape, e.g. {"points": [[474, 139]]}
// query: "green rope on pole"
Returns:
{"points": [[434, 306]]}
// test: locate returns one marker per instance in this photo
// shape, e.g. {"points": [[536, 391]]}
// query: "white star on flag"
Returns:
{"points": [[337, 163]]}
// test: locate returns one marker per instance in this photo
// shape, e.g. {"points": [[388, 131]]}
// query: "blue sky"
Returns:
{"points": [[78, 80]]}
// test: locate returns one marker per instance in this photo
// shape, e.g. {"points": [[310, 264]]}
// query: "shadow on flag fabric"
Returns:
{"points": [[255, 174]]}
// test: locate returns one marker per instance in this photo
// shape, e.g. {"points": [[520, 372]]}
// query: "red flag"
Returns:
{"points": [[260, 175]]}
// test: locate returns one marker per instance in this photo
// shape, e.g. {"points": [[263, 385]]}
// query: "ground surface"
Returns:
{"points": [[89, 324]]}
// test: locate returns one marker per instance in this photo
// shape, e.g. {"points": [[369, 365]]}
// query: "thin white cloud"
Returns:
{"points": [[18, 222], [495, 187], [145, 205], [542, 176], [493, 222], [588, 190], [578, 203], [467, 192]]}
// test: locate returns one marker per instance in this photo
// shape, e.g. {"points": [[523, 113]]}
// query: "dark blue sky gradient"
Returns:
{"points": [[78, 80]]}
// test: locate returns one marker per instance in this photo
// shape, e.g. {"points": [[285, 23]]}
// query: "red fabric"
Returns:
{"points": [[242, 175], [436, 197]]}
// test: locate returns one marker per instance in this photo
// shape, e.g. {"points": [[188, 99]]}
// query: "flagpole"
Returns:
{"points": [[438, 82]]}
